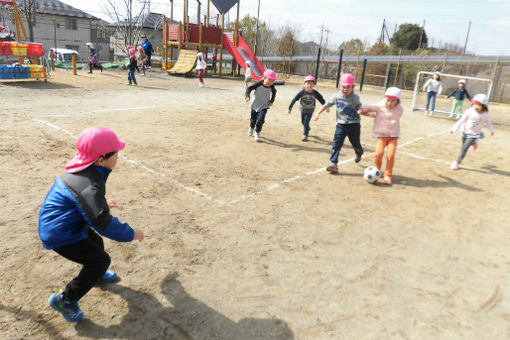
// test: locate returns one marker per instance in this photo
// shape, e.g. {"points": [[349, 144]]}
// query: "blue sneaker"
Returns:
{"points": [[69, 310], [109, 276]]}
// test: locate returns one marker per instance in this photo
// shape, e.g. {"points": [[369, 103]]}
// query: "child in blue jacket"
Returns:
{"points": [[75, 212]]}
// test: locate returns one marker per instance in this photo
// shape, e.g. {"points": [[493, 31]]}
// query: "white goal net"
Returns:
{"points": [[449, 82]]}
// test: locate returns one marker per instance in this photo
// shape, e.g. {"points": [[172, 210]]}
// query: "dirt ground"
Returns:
{"points": [[249, 240]]}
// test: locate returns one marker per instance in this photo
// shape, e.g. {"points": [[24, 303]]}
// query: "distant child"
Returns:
{"points": [[458, 102], [386, 128], [75, 212], [93, 61], [307, 98], [132, 67], [348, 120], [433, 87], [247, 75], [201, 66], [471, 124], [142, 59], [264, 96]]}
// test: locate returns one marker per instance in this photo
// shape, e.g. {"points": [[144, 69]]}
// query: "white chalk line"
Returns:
{"points": [[119, 109], [133, 162], [270, 187]]}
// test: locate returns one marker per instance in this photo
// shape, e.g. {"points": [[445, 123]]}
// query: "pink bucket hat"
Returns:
{"points": [[132, 52], [93, 143], [270, 74]]}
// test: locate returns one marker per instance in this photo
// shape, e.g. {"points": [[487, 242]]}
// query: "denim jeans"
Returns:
{"points": [[131, 77], [466, 143], [257, 119], [352, 131], [431, 95], [305, 120]]}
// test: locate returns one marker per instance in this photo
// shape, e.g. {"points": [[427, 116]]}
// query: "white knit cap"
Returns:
{"points": [[462, 81], [393, 93]]}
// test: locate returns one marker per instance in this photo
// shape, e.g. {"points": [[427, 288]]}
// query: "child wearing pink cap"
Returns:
{"points": [[307, 97], [142, 59], [386, 128], [471, 124], [263, 99], [347, 104], [75, 212], [132, 66]]}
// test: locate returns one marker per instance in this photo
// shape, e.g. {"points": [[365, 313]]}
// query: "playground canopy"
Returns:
{"points": [[224, 5]]}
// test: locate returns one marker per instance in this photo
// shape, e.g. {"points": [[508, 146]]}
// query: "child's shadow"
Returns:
{"points": [[421, 183], [305, 146], [187, 318]]}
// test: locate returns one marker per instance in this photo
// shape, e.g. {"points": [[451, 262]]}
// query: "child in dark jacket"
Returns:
{"points": [[460, 92], [132, 66], [307, 97], [76, 210], [263, 99]]}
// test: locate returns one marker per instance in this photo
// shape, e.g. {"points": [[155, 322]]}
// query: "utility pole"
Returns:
{"points": [[327, 39], [421, 35], [381, 36], [148, 6], [467, 37]]}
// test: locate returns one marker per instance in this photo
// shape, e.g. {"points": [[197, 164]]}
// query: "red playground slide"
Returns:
{"points": [[243, 54]]}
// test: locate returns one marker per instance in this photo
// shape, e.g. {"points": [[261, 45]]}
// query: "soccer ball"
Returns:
{"points": [[372, 174]]}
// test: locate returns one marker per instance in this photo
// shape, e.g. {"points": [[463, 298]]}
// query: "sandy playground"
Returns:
{"points": [[249, 240]]}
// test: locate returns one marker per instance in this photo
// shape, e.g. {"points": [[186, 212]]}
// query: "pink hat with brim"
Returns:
{"points": [[1, 27], [93, 143], [270, 74]]}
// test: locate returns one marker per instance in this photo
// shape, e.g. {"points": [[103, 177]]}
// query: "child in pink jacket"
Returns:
{"points": [[386, 129], [471, 124]]}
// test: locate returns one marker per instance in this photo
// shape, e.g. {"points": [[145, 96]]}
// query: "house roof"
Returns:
{"points": [[153, 20], [56, 7]]}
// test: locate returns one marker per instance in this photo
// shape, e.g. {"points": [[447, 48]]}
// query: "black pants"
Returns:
{"points": [[90, 253], [96, 65]]}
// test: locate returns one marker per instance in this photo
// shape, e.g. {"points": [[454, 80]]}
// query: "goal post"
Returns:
{"points": [[449, 83]]}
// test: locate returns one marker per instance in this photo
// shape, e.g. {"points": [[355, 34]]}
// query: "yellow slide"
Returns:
{"points": [[185, 62]]}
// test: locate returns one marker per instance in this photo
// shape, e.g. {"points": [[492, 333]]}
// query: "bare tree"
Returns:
{"points": [[127, 17]]}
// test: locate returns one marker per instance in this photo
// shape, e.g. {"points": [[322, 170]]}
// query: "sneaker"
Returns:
{"points": [[109, 276], [431, 113], [451, 115], [69, 310], [358, 158], [426, 113], [304, 139], [257, 137], [250, 132], [201, 84], [458, 117], [128, 84], [387, 180], [455, 165], [333, 168]]}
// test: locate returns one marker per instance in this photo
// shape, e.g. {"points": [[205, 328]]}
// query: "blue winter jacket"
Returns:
{"points": [[76, 202]]}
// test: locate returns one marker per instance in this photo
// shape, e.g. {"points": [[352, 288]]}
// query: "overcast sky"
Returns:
{"points": [[445, 21]]}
